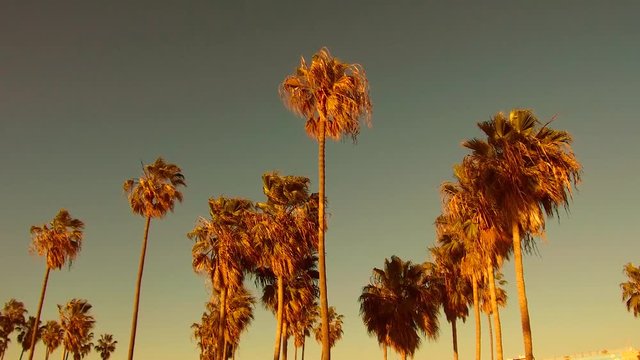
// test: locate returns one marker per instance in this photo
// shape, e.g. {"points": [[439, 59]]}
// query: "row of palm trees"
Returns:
{"points": [[73, 331]]}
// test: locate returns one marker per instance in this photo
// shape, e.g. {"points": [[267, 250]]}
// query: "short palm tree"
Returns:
{"points": [[332, 97], [77, 324], [26, 336], [399, 303], [105, 346], [335, 328], [152, 195], [11, 318], [527, 171], [631, 289], [52, 334], [59, 241]]}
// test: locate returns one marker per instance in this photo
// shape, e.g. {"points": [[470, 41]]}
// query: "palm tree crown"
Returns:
{"points": [[52, 334], [105, 346], [77, 323], [631, 289], [60, 240]]}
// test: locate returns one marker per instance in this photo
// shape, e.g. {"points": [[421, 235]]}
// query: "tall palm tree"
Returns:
{"points": [[335, 328], [223, 250], [77, 324], [52, 334], [59, 241], [26, 336], [528, 171], [284, 234], [631, 289], [152, 195], [399, 303], [11, 318], [332, 97], [105, 346]]}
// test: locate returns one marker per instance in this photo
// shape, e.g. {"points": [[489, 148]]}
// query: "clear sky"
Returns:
{"points": [[89, 89]]}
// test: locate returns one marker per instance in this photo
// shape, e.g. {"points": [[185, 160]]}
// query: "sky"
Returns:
{"points": [[90, 89]]}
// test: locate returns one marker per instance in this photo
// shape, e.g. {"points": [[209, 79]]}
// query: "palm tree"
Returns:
{"points": [[335, 328], [631, 289], [284, 234], [527, 171], [11, 318], [59, 241], [26, 338], [76, 323], [223, 251], [105, 346], [400, 302], [302, 326], [487, 298], [151, 196], [332, 97], [52, 334]]}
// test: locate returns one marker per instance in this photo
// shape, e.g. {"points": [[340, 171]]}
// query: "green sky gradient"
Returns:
{"points": [[89, 89]]}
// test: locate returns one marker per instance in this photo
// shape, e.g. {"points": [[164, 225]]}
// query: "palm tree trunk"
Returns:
{"points": [[224, 351], [285, 340], [136, 301], [64, 351], [490, 334], [403, 355], [295, 354], [304, 340], [494, 308], [46, 356], [21, 353], [522, 293], [276, 349], [384, 351], [34, 331], [221, 325], [476, 312], [324, 302], [454, 333]]}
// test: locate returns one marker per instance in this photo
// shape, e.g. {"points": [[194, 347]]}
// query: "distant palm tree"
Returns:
{"points": [[302, 326], [11, 318], [223, 251], [631, 289], [26, 338], [59, 241], [527, 171], [76, 323], [52, 335], [332, 97], [486, 300], [152, 195], [105, 346], [335, 328], [399, 303]]}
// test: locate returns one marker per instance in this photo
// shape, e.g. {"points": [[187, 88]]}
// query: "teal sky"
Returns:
{"points": [[89, 89]]}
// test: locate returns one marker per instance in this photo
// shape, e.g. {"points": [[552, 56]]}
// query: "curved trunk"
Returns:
{"points": [[34, 331], [494, 308], [490, 335], [222, 346], [276, 348], [136, 301], [285, 340], [322, 283], [454, 333], [522, 293], [476, 311]]}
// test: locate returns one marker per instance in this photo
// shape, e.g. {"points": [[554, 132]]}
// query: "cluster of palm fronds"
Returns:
{"points": [[73, 331]]}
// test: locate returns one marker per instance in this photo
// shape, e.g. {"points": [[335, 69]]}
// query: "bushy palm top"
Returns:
{"points": [[77, 324], [105, 346], [631, 289], [52, 334], [60, 240], [335, 327]]}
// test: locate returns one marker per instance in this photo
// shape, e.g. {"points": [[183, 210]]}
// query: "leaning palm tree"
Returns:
{"points": [[105, 346], [527, 171], [332, 97], [76, 323], [631, 289], [26, 336], [399, 303], [51, 336], [152, 195], [59, 241]]}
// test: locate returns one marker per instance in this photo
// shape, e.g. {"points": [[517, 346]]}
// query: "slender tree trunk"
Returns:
{"points": [[403, 355], [276, 348], [476, 312], [46, 356], [295, 354], [21, 353], [64, 352], [324, 302], [224, 351], [285, 340], [454, 333], [384, 351], [522, 293], [223, 322], [304, 340], [490, 334], [67, 355], [494, 308], [34, 330], [136, 301]]}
